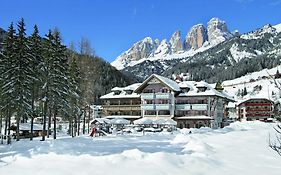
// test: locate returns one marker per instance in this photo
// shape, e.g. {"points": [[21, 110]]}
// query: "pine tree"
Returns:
{"points": [[46, 71], [36, 64], [6, 83], [21, 76], [74, 96], [55, 78], [59, 77]]}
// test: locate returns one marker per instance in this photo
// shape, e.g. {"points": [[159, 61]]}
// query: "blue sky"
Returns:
{"points": [[113, 26]]}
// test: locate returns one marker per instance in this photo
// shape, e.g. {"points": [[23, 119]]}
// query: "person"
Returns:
{"points": [[93, 133]]}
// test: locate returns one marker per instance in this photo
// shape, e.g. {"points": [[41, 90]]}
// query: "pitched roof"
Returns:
{"points": [[123, 93], [166, 81]]}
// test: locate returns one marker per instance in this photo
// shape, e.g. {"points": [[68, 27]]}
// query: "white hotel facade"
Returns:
{"points": [[191, 104]]}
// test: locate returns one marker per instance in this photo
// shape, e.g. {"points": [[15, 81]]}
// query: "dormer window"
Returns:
{"points": [[185, 89], [128, 92], [116, 92], [202, 89]]}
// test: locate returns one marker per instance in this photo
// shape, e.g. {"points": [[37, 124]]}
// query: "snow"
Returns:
{"points": [[278, 28], [121, 64], [241, 148], [123, 93], [172, 84], [263, 78], [237, 54]]}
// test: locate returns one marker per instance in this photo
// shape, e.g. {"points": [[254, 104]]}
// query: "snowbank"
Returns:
{"points": [[241, 148]]}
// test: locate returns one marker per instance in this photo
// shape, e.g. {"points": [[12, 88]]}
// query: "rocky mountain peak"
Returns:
{"points": [[142, 49], [163, 49], [217, 31], [176, 43], [196, 36]]}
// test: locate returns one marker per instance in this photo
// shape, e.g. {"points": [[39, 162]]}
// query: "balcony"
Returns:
{"points": [[163, 106], [163, 95], [148, 96], [183, 107], [121, 107], [148, 106], [199, 106]]}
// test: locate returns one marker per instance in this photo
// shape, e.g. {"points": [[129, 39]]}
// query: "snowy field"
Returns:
{"points": [[240, 149]]}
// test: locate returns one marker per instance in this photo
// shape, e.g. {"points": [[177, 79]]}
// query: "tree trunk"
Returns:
{"points": [[89, 118], [31, 127], [72, 128], [18, 127], [32, 110], [55, 123], [9, 126], [78, 125], [45, 107], [49, 123], [75, 125], [6, 123], [84, 122], [1, 119]]}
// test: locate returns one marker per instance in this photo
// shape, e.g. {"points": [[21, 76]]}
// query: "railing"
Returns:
{"points": [[191, 106], [163, 95], [199, 106], [122, 107], [182, 106], [148, 106], [148, 95], [163, 106]]}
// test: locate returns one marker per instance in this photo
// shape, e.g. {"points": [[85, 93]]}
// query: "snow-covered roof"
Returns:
{"points": [[144, 121], [123, 93], [165, 122], [202, 84], [231, 105], [253, 98], [172, 84], [168, 82], [101, 121], [210, 91], [187, 84], [119, 121]]}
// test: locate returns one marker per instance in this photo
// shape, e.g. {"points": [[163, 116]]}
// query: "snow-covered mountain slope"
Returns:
{"points": [[261, 84], [196, 41]]}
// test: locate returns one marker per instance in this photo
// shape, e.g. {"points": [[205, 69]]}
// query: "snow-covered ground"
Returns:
{"points": [[239, 149]]}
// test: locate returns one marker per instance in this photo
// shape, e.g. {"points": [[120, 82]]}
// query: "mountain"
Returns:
{"points": [[98, 77], [221, 56], [198, 37]]}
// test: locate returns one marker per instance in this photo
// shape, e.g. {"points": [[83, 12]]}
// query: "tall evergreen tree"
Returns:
{"points": [[21, 76], [55, 78], [75, 102], [36, 79], [7, 63], [59, 86]]}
